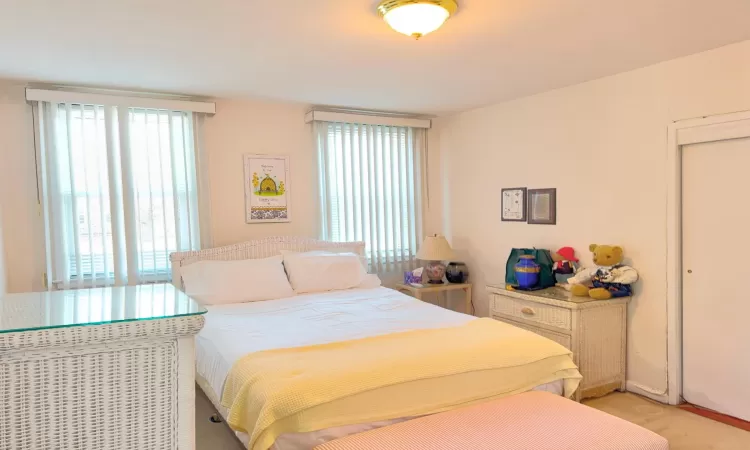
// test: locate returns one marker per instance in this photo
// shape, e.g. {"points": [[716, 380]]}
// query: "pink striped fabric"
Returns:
{"points": [[529, 421]]}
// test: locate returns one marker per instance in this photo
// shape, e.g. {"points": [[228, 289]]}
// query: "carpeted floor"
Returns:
{"points": [[209, 435], [685, 431]]}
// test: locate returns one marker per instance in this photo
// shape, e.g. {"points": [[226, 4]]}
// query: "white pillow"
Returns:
{"points": [[338, 250], [247, 280], [321, 271], [371, 281]]}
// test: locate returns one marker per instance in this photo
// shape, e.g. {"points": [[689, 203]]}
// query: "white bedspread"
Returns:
{"points": [[232, 331]]}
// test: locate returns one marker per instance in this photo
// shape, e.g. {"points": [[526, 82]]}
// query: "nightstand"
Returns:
{"points": [[594, 330], [418, 292]]}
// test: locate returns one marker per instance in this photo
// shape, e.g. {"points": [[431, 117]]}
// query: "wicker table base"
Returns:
{"points": [[116, 386]]}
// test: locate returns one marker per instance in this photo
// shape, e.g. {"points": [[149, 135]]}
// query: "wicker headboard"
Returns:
{"points": [[256, 249]]}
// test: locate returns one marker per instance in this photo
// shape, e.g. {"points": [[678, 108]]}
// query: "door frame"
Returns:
{"points": [[685, 132]]}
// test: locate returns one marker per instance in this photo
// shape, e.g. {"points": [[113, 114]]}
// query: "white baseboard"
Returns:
{"points": [[661, 397]]}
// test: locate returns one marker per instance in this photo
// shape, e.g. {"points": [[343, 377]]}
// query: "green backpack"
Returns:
{"points": [[541, 257]]}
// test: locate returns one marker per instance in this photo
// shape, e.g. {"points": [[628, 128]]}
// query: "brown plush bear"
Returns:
{"points": [[609, 279]]}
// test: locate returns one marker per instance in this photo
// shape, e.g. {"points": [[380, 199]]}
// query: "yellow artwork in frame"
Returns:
{"points": [[267, 198]]}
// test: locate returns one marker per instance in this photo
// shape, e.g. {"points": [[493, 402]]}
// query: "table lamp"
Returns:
{"points": [[435, 249]]}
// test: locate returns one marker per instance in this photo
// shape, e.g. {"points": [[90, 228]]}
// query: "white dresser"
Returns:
{"points": [[595, 331], [99, 369]]}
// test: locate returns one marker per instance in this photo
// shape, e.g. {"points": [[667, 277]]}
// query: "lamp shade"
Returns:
{"points": [[435, 248]]}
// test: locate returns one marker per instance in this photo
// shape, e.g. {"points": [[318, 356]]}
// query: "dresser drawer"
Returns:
{"points": [[514, 308], [562, 339]]}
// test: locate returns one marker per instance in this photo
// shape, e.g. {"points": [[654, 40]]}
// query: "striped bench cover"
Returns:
{"points": [[532, 421]]}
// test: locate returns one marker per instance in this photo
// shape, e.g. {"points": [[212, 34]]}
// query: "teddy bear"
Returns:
{"points": [[609, 279]]}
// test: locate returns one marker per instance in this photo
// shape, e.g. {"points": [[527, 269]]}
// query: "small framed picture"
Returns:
{"points": [[514, 204], [543, 206]]}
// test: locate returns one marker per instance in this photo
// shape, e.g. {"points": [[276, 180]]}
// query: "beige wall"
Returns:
{"points": [[247, 126], [244, 126], [18, 189], [239, 126], [3, 273], [602, 144]]}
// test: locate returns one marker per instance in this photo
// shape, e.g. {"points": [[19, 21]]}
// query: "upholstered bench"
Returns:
{"points": [[529, 421]]}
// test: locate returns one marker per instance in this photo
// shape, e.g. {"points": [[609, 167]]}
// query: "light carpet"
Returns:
{"points": [[685, 431]]}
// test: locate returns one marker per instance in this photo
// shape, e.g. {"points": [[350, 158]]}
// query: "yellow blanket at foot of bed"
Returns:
{"points": [[385, 377]]}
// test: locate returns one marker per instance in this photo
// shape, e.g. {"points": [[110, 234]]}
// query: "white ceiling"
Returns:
{"points": [[339, 52]]}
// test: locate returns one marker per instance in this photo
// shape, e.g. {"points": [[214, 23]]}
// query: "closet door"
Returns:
{"points": [[716, 276]]}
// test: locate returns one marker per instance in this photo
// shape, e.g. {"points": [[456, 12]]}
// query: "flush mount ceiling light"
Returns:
{"points": [[417, 17]]}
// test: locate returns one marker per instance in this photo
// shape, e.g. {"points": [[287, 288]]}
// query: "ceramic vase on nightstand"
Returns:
{"points": [[527, 272], [457, 273]]}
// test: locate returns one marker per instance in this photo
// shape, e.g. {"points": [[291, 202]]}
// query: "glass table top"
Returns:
{"points": [[98, 306]]}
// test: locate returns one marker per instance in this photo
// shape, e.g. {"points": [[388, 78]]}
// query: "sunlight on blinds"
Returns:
{"points": [[80, 193], [85, 191], [162, 178], [370, 190]]}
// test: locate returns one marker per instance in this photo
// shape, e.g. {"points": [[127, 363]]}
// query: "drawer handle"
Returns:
{"points": [[528, 311]]}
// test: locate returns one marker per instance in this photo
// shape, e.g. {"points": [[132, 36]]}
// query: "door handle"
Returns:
{"points": [[690, 271]]}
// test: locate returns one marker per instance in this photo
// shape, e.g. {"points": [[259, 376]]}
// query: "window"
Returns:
{"points": [[119, 192], [371, 189]]}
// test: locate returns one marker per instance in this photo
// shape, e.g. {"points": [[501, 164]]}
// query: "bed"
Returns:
{"points": [[235, 330]]}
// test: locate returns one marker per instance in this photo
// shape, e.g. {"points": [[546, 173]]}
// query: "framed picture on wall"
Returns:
{"points": [[267, 189], [543, 206], [514, 204]]}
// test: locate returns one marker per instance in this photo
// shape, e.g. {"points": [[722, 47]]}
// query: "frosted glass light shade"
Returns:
{"points": [[435, 248], [415, 18]]}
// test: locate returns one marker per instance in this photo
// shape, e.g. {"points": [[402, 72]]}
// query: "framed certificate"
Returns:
{"points": [[514, 205]]}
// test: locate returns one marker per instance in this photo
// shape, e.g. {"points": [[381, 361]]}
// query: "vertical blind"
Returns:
{"points": [[371, 189], [118, 192]]}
